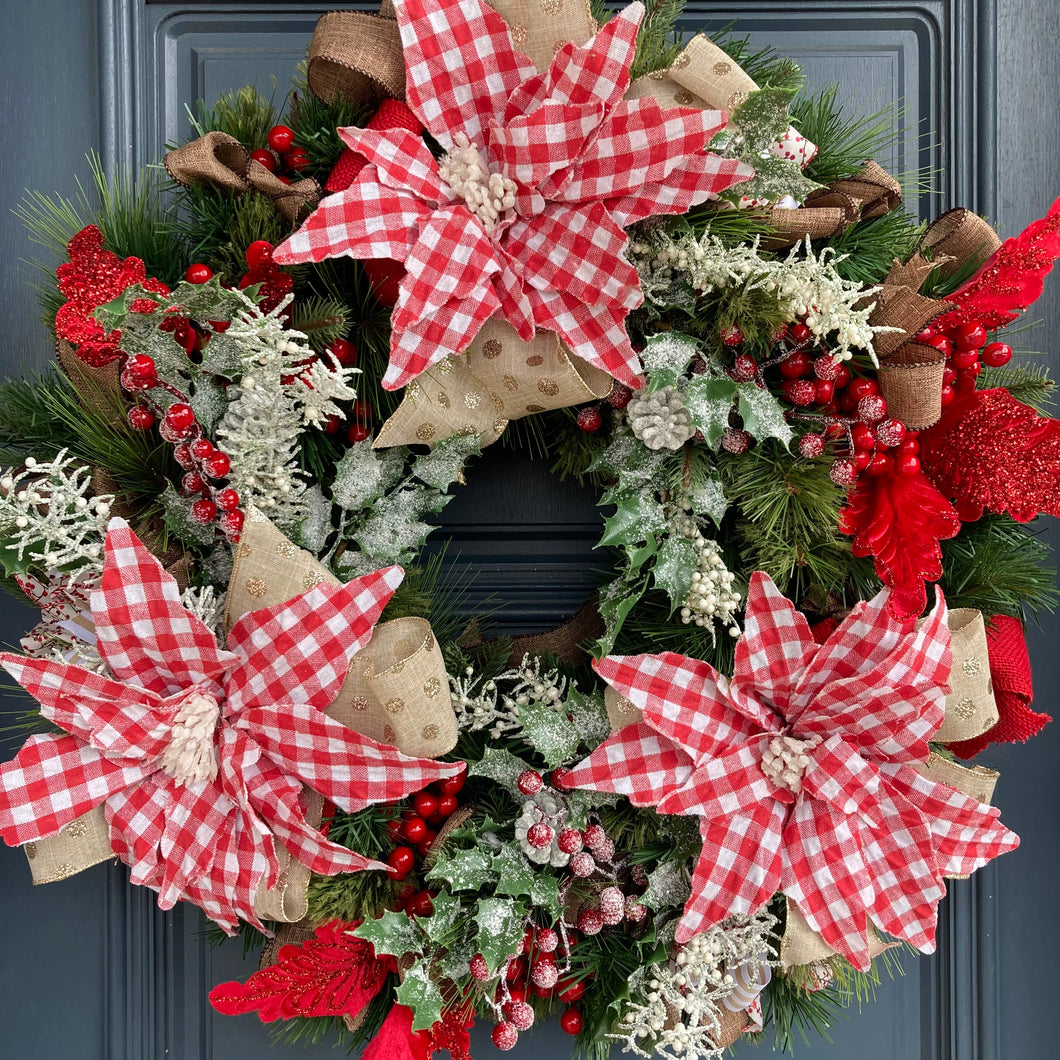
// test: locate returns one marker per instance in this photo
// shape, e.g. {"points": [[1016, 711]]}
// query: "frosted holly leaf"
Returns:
{"points": [[500, 923], [394, 532], [589, 716], [708, 498], [176, 514], [666, 358], [627, 457], [668, 886], [708, 401], [515, 875], [364, 474], [674, 566], [616, 602], [683, 833], [500, 766], [442, 466], [209, 402], [637, 516], [455, 962], [315, 528], [392, 933], [447, 915], [419, 992], [763, 416], [223, 356], [776, 178], [549, 732], [581, 802], [463, 870], [544, 894]]}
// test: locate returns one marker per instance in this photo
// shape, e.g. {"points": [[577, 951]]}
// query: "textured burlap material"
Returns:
{"points": [[500, 378], [898, 306], [977, 782], [620, 711], [84, 842], [356, 56], [706, 71], [970, 706], [288, 901], [97, 389], [732, 1025], [802, 945], [958, 236], [913, 388], [565, 642], [221, 160], [541, 27]]}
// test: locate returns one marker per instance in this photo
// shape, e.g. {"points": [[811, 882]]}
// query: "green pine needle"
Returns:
{"points": [[659, 41], [1027, 383], [315, 124], [867, 250], [244, 114], [323, 319]]}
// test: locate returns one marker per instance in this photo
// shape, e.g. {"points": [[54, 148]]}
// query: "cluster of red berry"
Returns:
{"points": [[284, 153], [967, 353], [591, 418]]}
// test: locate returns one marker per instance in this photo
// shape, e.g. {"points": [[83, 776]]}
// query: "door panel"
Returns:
{"points": [[131, 981]]}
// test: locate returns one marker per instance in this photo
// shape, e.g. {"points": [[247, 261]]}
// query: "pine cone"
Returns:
{"points": [[659, 419]]}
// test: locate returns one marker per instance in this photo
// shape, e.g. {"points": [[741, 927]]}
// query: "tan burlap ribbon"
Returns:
{"points": [[970, 705], [802, 945], [356, 56], [541, 27], [500, 378], [959, 236], [221, 160], [97, 389], [566, 642]]}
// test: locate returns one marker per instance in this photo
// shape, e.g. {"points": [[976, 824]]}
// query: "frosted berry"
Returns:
{"points": [[180, 416], [217, 465], [141, 419], [843, 472], [571, 1021], [201, 448], [590, 420], [570, 840], [620, 396], [606, 851], [521, 1014], [594, 835], [182, 455], [546, 941], [544, 973], [731, 335], [192, 482], [872, 408], [744, 368], [826, 367], [281, 139], [539, 835], [582, 864], [140, 366], [811, 445], [505, 1035], [232, 523], [226, 499], [198, 273], [734, 440], [590, 922], [204, 511], [800, 392], [891, 432], [612, 905], [530, 782], [635, 911]]}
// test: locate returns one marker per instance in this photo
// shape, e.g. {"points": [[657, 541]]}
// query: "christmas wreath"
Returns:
{"points": [[687, 279]]}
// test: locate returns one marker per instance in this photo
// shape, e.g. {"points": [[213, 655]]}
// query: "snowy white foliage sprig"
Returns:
{"points": [[807, 286], [494, 704]]}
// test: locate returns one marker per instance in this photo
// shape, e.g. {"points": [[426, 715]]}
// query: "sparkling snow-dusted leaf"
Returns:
{"points": [[666, 358], [500, 766], [763, 416], [708, 498], [553, 735], [420, 992], [500, 929], [392, 933], [463, 870], [674, 566], [637, 516], [515, 874], [708, 402]]}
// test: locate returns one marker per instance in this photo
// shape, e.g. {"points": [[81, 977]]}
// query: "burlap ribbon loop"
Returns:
{"points": [[500, 378], [958, 236], [221, 160], [970, 705], [356, 56]]}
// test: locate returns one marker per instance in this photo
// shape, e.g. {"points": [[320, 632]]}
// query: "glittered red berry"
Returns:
{"points": [[358, 432], [259, 254], [192, 482], [226, 499], [480, 969], [612, 905], [800, 392], [996, 354], [546, 940], [572, 1022], [201, 448], [264, 158], [594, 836], [795, 365], [182, 455], [620, 396], [582, 864], [636, 911], [198, 273], [505, 1036], [414, 830], [570, 992], [731, 335], [872, 408], [217, 465], [424, 804], [204, 511], [141, 419], [799, 334], [736, 441], [811, 445], [281, 138], [969, 336], [744, 368], [530, 782], [826, 367], [590, 922], [891, 432], [590, 419], [879, 465], [401, 861], [570, 840], [843, 472], [180, 417], [343, 351], [539, 835], [521, 1014]]}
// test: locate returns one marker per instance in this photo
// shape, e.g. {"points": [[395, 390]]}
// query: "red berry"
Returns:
{"points": [[343, 351], [193, 482], [635, 911], [572, 1022], [297, 160], [422, 904], [516, 992], [842, 380], [620, 396], [965, 358], [259, 254], [558, 778], [570, 992], [201, 448], [799, 392], [969, 336], [823, 391], [546, 940], [332, 425], [843, 472], [539, 835], [907, 463], [424, 804], [281, 138], [198, 273], [811, 445], [612, 905], [425, 844], [744, 368], [401, 861], [734, 440], [217, 465], [940, 343], [924, 337], [590, 420], [141, 419], [948, 394], [879, 465], [594, 837], [861, 388], [479, 969], [795, 365], [544, 972], [264, 158], [965, 382], [140, 366], [226, 499], [232, 523], [180, 417], [521, 1014], [182, 455], [949, 373], [996, 354], [530, 782], [505, 1036], [800, 334], [590, 922], [453, 785], [872, 409], [358, 432], [779, 335], [827, 367], [447, 805], [861, 459], [515, 969], [204, 511], [570, 841], [395, 828], [414, 829], [891, 432], [732, 335]]}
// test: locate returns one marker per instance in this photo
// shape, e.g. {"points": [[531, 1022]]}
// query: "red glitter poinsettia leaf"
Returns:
{"points": [[331, 974], [899, 521], [991, 451], [1010, 279]]}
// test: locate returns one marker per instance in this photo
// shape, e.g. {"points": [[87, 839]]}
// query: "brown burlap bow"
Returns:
{"points": [[356, 56], [221, 160]]}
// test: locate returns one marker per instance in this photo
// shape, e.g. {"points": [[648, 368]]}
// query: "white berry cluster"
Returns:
{"points": [[786, 758], [495, 703], [675, 1006], [659, 419], [711, 598], [489, 196]]}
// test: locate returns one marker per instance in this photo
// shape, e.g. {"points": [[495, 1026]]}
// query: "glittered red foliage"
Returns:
{"points": [[899, 521], [396, 1040], [92, 277], [1010, 279], [990, 451], [331, 974]]}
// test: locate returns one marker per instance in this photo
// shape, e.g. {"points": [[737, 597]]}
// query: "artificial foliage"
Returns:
{"points": [[714, 810]]}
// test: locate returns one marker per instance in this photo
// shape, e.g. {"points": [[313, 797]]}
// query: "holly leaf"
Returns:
{"points": [[550, 732], [708, 402], [668, 886], [392, 933], [616, 602], [455, 963], [514, 872], [447, 915], [589, 715], [502, 767], [463, 870], [637, 516], [441, 467], [708, 498], [419, 992], [666, 357], [763, 415], [581, 801], [676, 563], [628, 459], [500, 924], [545, 894]]}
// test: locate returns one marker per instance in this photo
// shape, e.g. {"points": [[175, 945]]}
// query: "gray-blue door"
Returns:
{"points": [[89, 968]]}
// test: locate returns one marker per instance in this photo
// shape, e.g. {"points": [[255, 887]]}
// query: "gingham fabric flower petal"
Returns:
{"points": [[300, 651], [461, 65], [144, 633], [839, 776], [137, 820], [401, 159], [636, 762], [53, 780], [531, 147], [723, 786]]}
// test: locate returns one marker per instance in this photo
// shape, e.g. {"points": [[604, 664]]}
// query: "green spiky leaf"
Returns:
{"points": [[463, 870], [500, 929], [500, 766], [666, 358], [551, 733], [637, 516], [674, 567], [392, 933], [515, 874], [708, 402], [421, 993], [763, 416]]}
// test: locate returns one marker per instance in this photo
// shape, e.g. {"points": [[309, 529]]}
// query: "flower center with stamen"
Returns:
{"points": [[785, 759], [489, 196], [190, 757]]}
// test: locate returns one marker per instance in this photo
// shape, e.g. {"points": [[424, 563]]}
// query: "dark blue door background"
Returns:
{"points": [[90, 969]]}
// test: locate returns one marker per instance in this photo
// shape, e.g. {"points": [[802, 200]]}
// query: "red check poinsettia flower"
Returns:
{"points": [[524, 215], [199, 754], [802, 771]]}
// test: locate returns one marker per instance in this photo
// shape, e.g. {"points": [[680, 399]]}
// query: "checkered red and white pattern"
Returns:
{"points": [[868, 838], [585, 165], [212, 842]]}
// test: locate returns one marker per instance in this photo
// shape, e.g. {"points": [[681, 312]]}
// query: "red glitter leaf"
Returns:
{"points": [[990, 451], [899, 521], [396, 1040], [332, 974], [1010, 279]]}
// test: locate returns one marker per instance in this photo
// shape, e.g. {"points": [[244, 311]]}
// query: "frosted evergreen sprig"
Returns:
{"points": [[494, 703]]}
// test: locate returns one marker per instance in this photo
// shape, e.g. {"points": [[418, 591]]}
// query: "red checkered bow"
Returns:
{"points": [[559, 164], [199, 754], [801, 770]]}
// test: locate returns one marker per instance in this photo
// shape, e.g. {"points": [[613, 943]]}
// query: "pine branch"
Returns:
{"points": [[868, 249], [244, 114], [1027, 383], [322, 319], [316, 124], [767, 67], [659, 41]]}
